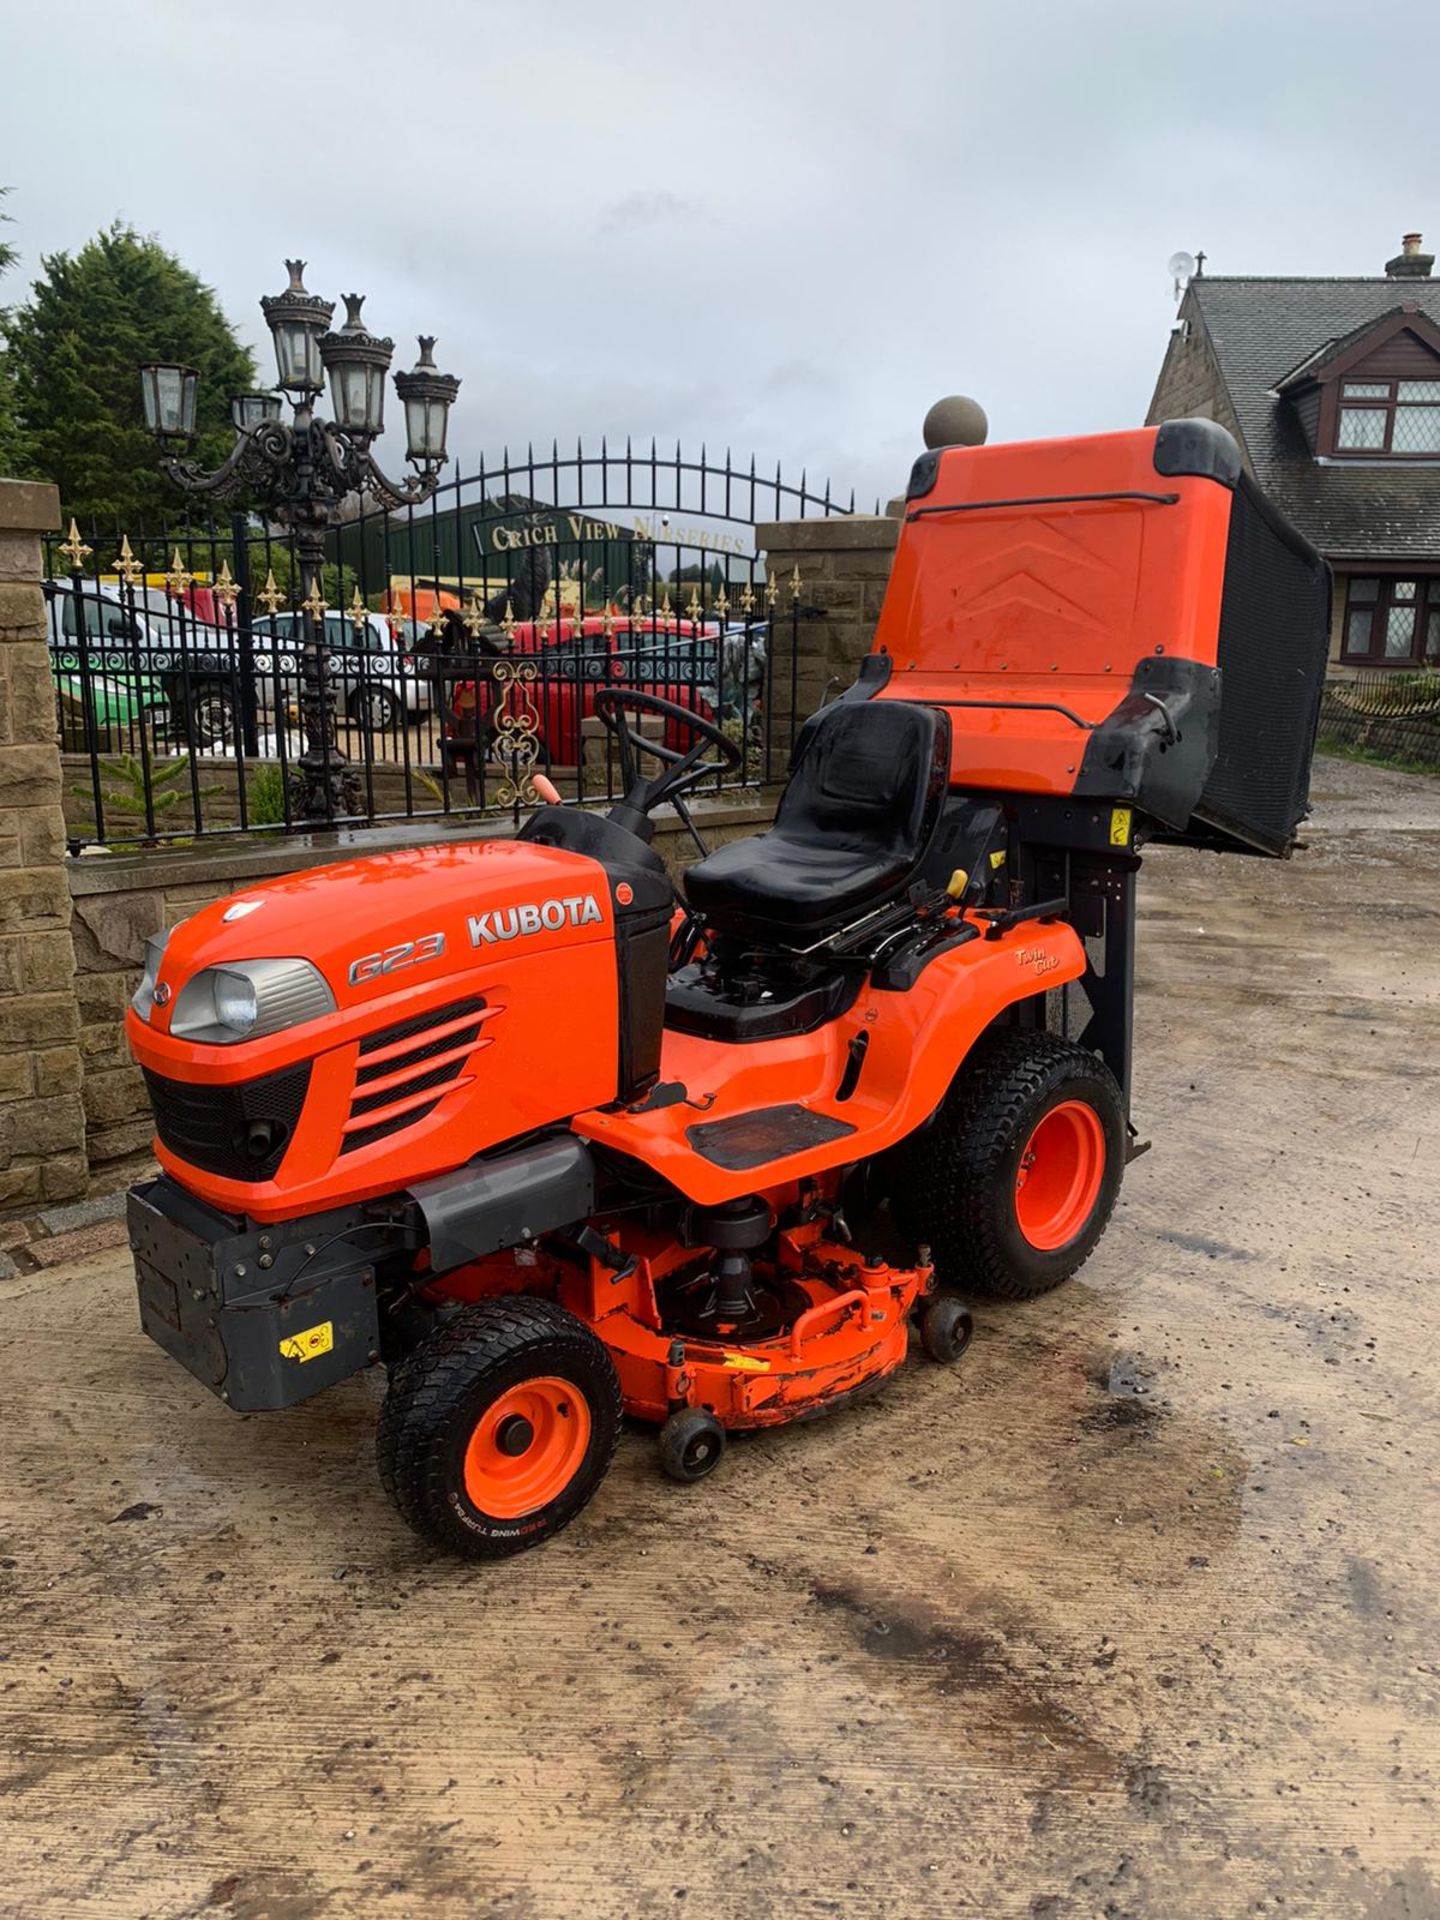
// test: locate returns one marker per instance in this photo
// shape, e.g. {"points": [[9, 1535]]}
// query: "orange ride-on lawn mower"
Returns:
{"points": [[498, 1117]]}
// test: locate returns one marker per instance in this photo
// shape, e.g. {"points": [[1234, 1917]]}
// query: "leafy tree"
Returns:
{"points": [[74, 350]]}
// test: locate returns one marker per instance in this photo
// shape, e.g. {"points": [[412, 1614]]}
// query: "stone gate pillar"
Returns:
{"points": [[42, 1119], [843, 565]]}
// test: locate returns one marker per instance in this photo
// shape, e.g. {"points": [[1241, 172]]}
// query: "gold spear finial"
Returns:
{"points": [[74, 548], [359, 613], [474, 615], [126, 565], [270, 596], [313, 603], [226, 591], [179, 577]]}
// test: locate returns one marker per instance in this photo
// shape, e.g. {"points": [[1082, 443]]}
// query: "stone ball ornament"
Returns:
{"points": [[956, 421]]}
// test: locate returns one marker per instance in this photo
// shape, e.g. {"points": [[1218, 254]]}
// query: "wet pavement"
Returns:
{"points": [[1136, 1614]]}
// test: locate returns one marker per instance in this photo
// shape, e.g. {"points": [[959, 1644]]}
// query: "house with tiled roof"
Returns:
{"points": [[1332, 388]]}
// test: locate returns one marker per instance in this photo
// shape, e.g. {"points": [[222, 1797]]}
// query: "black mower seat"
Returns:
{"points": [[866, 784]]}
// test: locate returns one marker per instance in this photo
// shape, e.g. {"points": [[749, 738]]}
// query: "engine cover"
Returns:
{"points": [[477, 993]]}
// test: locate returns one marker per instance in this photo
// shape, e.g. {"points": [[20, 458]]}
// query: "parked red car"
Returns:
{"points": [[575, 659]]}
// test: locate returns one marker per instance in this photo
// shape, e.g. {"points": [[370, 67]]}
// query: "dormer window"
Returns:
{"points": [[1394, 418]]}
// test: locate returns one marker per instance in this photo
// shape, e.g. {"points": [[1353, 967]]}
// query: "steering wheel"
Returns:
{"points": [[680, 772]]}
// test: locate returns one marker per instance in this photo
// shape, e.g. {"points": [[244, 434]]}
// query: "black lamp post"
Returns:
{"points": [[303, 473]]}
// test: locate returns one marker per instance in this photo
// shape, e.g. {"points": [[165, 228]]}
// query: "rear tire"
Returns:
{"points": [[499, 1427], [1013, 1182]]}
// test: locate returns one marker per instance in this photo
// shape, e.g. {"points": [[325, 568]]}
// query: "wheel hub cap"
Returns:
{"points": [[1061, 1172], [526, 1447]]}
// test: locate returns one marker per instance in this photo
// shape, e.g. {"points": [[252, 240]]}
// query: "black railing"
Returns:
{"points": [[461, 644]]}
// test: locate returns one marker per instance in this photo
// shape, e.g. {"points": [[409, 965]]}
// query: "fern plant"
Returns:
{"points": [[125, 797]]}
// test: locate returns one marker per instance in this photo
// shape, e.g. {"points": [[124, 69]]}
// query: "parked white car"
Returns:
{"points": [[375, 680]]}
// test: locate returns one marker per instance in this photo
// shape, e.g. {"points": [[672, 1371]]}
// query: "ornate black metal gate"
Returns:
{"points": [[464, 642]]}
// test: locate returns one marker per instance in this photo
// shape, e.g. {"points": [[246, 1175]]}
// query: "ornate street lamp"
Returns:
{"points": [[251, 410], [168, 393], [303, 473], [428, 396]]}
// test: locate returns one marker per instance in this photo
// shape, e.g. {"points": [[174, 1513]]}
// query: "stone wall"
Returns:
{"points": [[121, 900], [42, 1124], [1409, 739]]}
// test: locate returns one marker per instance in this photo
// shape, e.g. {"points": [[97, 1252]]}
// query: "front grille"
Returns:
{"points": [[373, 1102], [417, 1077], [421, 1023], [239, 1131], [367, 1136], [417, 1055]]}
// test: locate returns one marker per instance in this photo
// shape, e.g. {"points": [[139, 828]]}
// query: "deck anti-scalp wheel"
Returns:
{"points": [[692, 1444], [499, 1427], [1014, 1181], [946, 1328]]}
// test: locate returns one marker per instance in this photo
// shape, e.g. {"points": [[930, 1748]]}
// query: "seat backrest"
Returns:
{"points": [[867, 773]]}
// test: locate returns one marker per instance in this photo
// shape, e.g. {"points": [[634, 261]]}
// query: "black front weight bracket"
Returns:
{"points": [[264, 1316]]}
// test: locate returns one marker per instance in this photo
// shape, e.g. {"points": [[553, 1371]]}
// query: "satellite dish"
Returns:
{"points": [[1180, 266]]}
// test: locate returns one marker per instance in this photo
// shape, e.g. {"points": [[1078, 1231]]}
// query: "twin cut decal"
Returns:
{"points": [[544, 916]]}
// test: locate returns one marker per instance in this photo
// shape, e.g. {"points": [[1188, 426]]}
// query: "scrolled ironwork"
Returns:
{"points": [[516, 731]]}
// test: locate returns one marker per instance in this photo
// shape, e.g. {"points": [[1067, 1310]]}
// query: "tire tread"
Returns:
{"points": [[941, 1178], [429, 1385]]}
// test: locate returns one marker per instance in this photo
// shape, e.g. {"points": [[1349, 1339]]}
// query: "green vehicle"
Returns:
{"points": [[120, 677]]}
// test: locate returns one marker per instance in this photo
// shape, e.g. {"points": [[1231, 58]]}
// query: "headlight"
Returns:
{"points": [[143, 998], [246, 999]]}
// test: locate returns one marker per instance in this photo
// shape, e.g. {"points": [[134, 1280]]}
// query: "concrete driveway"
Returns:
{"points": [[1136, 1615]]}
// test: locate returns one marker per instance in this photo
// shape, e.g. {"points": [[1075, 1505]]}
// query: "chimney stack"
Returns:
{"points": [[1410, 263]]}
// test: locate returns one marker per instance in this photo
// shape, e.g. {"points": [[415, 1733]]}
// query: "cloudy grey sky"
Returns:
{"points": [[786, 227]]}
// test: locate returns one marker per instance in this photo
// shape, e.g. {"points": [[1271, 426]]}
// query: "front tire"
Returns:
{"points": [[1015, 1179], [499, 1427]]}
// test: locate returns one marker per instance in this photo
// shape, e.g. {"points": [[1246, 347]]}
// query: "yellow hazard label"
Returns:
{"points": [[1120, 827], [310, 1344], [746, 1363], [997, 859]]}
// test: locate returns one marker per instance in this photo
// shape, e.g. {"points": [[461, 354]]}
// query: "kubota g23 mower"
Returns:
{"points": [[497, 1117]]}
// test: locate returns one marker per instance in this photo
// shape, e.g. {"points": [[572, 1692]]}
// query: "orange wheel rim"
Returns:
{"points": [[1060, 1175], [527, 1447]]}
